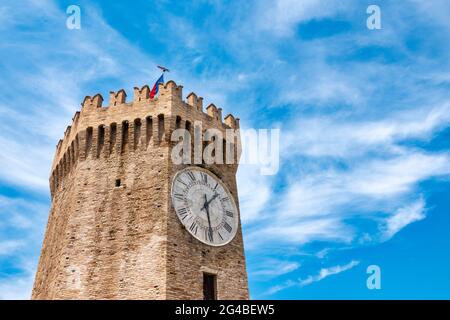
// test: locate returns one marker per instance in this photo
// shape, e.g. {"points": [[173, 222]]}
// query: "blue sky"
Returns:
{"points": [[364, 118]]}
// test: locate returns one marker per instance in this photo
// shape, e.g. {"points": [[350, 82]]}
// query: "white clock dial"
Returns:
{"points": [[204, 206]]}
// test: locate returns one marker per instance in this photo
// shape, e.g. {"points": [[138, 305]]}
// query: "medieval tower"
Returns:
{"points": [[126, 222]]}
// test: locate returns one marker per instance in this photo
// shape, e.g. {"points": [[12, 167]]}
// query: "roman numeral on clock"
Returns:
{"points": [[179, 196], [209, 235], [229, 213], [182, 212], [194, 227], [181, 181], [191, 175], [224, 199], [227, 227], [204, 177]]}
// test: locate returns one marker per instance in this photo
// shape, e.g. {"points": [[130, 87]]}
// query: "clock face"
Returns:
{"points": [[204, 206]]}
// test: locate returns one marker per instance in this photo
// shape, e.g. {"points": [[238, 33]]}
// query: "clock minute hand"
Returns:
{"points": [[205, 206]]}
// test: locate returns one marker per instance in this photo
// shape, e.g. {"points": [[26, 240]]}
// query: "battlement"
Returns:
{"points": [[231, 121], [121, 127], [141, 94], [116, 98], [168, 92], [92, 102], [194, 101]]}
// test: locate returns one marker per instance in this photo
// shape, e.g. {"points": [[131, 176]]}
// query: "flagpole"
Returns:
{"points": [[154, 90]]}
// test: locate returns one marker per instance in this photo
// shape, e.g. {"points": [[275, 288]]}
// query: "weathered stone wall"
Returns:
{"points": [[109, 242]]}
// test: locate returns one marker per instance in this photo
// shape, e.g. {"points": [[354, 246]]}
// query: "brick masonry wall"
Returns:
{"points": [[108, 242]]}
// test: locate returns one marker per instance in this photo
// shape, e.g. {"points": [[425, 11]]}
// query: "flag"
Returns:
{"points": [[154, 91]]}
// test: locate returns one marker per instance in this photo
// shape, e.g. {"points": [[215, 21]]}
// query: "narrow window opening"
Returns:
{"points": [[149, 129], [209, 286], [112, 136], [101, 140], [124, 135], [118, 183], [213, 152], [88, 140], [178, 122], [187, 138], [137, 132], [71, 157], [72, 152], [68, 164], [64, 167], [57, 176], [224, 151], [160, 127], [76, 148]]}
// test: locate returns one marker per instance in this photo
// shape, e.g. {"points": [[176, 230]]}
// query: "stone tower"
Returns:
{"points": [[113, 232]]}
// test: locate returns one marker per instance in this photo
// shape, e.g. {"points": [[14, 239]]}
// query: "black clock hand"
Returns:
{"points": [[204, 203], [205, 206], [210, 200]]}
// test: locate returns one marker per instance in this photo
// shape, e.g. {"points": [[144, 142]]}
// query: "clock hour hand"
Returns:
{"points": [[206, 204], [210, 200]]}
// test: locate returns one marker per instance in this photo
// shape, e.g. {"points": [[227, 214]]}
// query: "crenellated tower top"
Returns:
{"points": [[95, 123]]}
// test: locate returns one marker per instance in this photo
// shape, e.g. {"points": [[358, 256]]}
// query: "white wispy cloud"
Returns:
{"points": [[16, 287], [22, 215], [316, 206], [326, 272], [22, 223], [403, 217], [322, 253], [281, 231], [281, 16], [433, 12], [269, 268], [354, 160], [10, 246], [323, 273], [255, 195], [328, 136]]}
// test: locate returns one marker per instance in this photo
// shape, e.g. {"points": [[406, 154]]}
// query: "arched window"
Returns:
{"points": [[76, 148], [88, 141], [100, 139], [161, 127], [149, 129], [224, 151], [125, 126], [137, 132], [112, 136]]}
